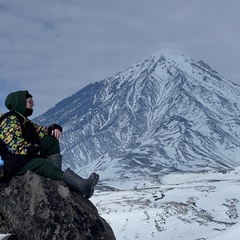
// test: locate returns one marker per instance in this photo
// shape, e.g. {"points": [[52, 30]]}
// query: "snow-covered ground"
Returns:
{"points": [[190, 206], [186, 206], [3, 235]]}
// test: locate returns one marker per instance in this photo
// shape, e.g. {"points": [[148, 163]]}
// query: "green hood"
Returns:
{"points": [[16, 101]]}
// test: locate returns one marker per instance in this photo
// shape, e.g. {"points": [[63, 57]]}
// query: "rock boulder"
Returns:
{"points": [[33, 207]]}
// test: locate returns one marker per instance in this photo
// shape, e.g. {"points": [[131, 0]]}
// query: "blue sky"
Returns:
{"points": [[53, 48]]}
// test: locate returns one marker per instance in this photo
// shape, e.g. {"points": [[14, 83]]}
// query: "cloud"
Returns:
{"points": [[56, 47]]}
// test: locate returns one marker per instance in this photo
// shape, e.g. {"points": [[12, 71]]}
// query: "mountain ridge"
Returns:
{"points": [[165, 113]]}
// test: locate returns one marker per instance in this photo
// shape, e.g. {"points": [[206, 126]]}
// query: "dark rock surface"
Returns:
{"points": [[33, 207]]}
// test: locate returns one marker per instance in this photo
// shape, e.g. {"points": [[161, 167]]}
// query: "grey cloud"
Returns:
{"points": [[55, 48]]}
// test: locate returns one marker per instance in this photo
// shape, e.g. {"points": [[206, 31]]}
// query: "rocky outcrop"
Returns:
{"points": [[33, 207]]}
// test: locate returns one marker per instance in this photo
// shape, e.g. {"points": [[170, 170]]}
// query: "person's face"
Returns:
{"points": [[29, 103]]}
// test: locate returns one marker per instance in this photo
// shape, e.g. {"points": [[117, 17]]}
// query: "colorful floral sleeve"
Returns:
{"points": [[11, 134], [41, 131]]}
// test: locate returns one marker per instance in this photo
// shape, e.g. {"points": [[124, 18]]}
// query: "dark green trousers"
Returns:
{"points": [[42, 166]]}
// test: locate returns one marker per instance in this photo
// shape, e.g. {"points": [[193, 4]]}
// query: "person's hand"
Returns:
{"points": [[55, 130], [56, 133]]}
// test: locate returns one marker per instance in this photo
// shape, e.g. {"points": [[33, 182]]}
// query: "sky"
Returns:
{"points": [[54, 48]]}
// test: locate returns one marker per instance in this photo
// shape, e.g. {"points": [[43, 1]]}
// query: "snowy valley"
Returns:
{"points": [[190, 206]]}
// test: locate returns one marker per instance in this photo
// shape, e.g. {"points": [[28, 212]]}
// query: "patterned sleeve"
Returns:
{"points": [[11, 134], [41, 131]]}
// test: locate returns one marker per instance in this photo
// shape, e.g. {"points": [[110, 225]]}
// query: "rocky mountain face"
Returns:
{"points": [[33, 207], [166, 113]]}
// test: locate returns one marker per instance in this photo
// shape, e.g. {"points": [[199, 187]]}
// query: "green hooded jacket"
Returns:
{"points": [[16, 102], [18, 133]]}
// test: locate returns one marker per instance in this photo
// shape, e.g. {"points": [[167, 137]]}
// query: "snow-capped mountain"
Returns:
{"points": [[152, 132], [166, 113]]}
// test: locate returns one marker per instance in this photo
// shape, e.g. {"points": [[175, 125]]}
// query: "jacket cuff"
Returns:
{"points": [[53, 127]]}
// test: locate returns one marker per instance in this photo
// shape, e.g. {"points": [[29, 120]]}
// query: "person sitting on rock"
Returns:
{"points": [[26, 146]]}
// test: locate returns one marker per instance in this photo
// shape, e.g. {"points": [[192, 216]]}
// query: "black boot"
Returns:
{"points": [[56, 159], [83, 186]]}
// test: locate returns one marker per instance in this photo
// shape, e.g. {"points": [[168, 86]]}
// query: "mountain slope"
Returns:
{"points": [[166, 113]]}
